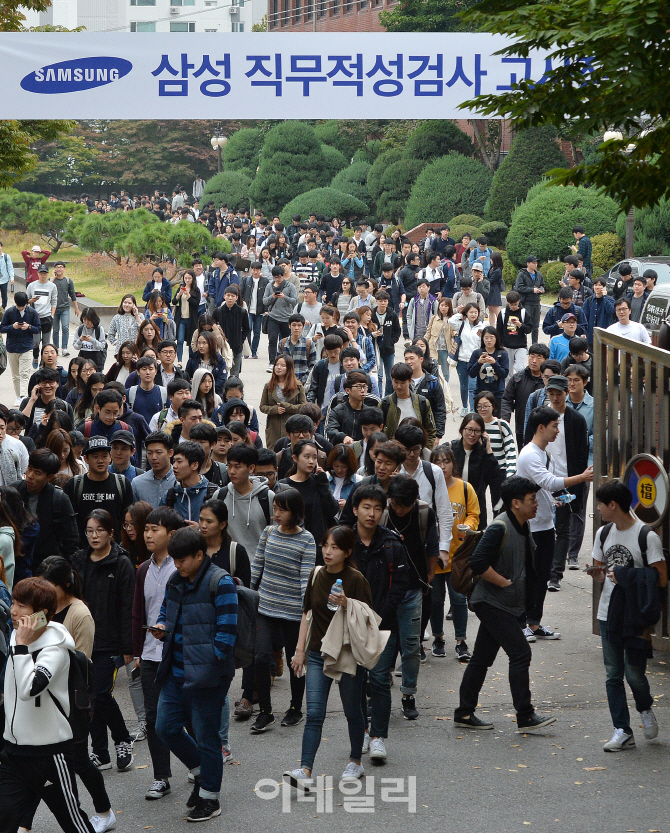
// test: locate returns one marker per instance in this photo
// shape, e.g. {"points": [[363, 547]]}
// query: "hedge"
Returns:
{"points": [[378, 169], [465, 220], [496, 232], [397, 183], [353, 180], [335, 161], [651, 235], [229, 188], [608, 249], [242, 150], [553, 272], [435, 138], [457, 231], [328, 201]]}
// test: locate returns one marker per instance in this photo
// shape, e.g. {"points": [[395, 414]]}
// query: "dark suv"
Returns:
{"points": [[639, 265]]}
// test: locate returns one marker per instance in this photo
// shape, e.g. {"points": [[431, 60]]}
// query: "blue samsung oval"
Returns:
{"points": [[79, 74]]}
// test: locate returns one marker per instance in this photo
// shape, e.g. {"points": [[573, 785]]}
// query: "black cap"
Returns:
{"points": [[123, 436], [42, 267], [531, 259]]}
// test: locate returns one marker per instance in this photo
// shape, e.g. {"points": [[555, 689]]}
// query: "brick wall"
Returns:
{"points": [[331, 15]]}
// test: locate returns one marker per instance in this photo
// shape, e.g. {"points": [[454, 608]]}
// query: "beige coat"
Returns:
{"points": [[276, 423], [353, 638], [435, 326]]}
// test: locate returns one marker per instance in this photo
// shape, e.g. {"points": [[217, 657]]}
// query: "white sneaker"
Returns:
{"points": [[299, 779], [528, 633], [352, 772], [377, 750], [102, 823], [366, 743], [649, 724], [620, 741]]}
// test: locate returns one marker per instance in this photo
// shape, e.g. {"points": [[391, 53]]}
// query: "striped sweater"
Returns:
{"points": [[502, 445], [282, 565]]}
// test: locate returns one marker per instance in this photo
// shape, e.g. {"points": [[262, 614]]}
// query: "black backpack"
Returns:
{"points": [[81, 692], [247, 614], [171, 495]]}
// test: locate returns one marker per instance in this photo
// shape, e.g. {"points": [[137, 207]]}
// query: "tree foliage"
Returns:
{"points": [[453, 184], [108, 232], [651, 235], [612, 76], [328, 201], [353, 180], [334, 161], [543, 226], [379, 168], [155, 241], [437, 137], [608, 249], [243, 148], [397, 183], [70, 165], [426, 16], [229, 188], [18, 138], [534, 152], [51, 220], [347, 135], [292, 162], [16, 208]]}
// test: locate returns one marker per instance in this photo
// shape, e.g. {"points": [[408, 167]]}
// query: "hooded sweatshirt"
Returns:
{"points": [[246, 518], [33, 723], [7, 552], [195, 386], [188, 501]]}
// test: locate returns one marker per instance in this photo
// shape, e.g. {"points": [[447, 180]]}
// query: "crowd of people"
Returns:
{"points": [[146, 524]]}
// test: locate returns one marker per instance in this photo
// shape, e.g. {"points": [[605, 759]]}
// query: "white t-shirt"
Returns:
{"points": [[622, 549], [46, 295], [534, 464], [406, 409], [200, 280], [633, 329], [558, 451]]}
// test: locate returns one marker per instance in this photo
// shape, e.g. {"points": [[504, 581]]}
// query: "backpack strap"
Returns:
{"points": [[605, 531], [233, 557], [170, 497], [132, 392], [428, 471], [214, 580], [88, 426], [162, 418], [264, 501], [642, 542]]}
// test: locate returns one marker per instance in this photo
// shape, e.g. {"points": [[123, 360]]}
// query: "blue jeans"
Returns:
{"points": [[617, 664], [203, 707], [255, 323], [468, 385], [459, 607], [380, 690], [225, 722], [384, 369], [318, 689], [61, 320], [181, 336], [409, 636], [443, 359]]}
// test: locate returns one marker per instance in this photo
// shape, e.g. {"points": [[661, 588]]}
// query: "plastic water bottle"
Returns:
{"points": [[335, 590]]}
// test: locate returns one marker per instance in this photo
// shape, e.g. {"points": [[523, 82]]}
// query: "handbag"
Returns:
{"points": [[453, 353], [265, 323]]}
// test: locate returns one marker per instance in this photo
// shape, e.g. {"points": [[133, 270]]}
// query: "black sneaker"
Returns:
{"points": [[262, 723], [159, 789], [100, 760], [438, 648], [573, 564], [554, 585], [422, 654], [534, 723], [472, 722], [194, 798], [206, 808], [409, 710], [124, 755], [462, 653], [292, 717]]}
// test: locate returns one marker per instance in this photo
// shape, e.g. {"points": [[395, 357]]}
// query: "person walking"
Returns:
{"points": [[530, 286], [20, 324], [65, 293]]}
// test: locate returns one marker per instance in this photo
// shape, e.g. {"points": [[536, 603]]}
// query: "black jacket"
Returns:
{"points": [[193, 307], [525, 286], [58, 533], [483, 472], [409, 276], [108, 588], [317, 387], [518, 338], [385, 566], [234, 322], [551, 319], [247, 286], [347, 517], [517, 390], [634, 606], [343, 421], [431, 387], [391, 332]]}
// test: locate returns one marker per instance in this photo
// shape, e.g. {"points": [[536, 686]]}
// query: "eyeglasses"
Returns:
{"points": [[94, 533], [362, 387], [126, 526], [472, 430]]}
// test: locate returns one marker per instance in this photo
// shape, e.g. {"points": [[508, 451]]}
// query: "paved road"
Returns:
{"points": [[469, 782]]}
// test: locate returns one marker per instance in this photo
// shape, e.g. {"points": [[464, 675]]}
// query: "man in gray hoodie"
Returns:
{"points": [[248, 498]]}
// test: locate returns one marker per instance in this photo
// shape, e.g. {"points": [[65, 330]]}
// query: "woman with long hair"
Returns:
{"points": [[125, 325], [72, 374], [186, 303], [126, 359], [90, 338], [55, 416], [465, 507], [342, 300], [282, 249], [499, 433], [148, 336], [210, 359], [58, 441], [160, 313], [132, 532], [49, 358], [476, 462], [440, 335], [467, 330], [353, 263], [281, 398], [214, 528], [207, 323], [249, 251], [267, 262], [80, 377], [341, 472], [367, 467], [495, 276], [83, 408], [10, 543], [202, 390], [28, 527], [338, 546], [280, 570], [489, 366]]}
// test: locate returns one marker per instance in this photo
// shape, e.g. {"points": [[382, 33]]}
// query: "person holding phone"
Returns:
{"points": [[125, 325]]}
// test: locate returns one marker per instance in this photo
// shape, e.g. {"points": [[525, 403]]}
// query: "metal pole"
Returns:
{"points": [[218, 158], [630, 229]]}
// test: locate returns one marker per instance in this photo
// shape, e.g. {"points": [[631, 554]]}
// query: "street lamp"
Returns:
{"points": [[218, 141], [630, 217]]}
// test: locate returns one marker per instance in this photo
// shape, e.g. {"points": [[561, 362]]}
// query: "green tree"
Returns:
{"points": [[534, 152], [397, 183], [51, 219], [426, 16], [326, 201], [347, 135], [608, 249], [11, 13], [155, 241], [612, 75], [228, 188], [353, 180], [292, 162], [437, 137], [453, 184], [16, 208], [242, 150], [69, 165], [108, 232], [543, 225], [379, 168], [651, 234], [335, 161], [18, 138]]}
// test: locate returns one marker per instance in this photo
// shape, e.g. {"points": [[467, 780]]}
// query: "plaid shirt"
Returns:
{"points": [[366, 345], [298, 352]]}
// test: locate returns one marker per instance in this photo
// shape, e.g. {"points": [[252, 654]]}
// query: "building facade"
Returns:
{"points": [[326, 15]]}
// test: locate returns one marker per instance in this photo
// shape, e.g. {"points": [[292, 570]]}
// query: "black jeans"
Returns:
{"points": [[533, 311], [544, 556], [497, 629], [276, 330], [160, 754], [578, 524], [106, 711], [563, 520], [289, 630]]}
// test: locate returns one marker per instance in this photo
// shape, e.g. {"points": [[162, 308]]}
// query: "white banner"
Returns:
{"points": [[253, 75]]}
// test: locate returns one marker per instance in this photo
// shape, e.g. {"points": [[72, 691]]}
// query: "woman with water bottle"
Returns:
{"points": [[329, 587]]}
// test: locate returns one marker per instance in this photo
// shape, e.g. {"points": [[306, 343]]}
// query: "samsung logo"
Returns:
{"points": [[79, 74]]}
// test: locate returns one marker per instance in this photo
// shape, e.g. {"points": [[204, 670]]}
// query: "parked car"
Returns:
{"points": [[639, 265], [657, 308]]}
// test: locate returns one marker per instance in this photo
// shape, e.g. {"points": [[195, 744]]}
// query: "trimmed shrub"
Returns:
{"points": [[328, 201], [608, 249], [651, 235], [368, 153], [242, 150], [228, 188], [346, 135], [335, 161], [543, 226], [553, 272], [292, 163], [457, 231], [378, 169], [496, 232], [510, 271], [447, 187], [466, 220], [534, 152], [354, 180], [397, 183], [435, 138]]}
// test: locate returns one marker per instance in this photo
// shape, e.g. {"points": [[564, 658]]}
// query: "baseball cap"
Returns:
{"points": [[58, 263], [96, 444], [557, 383], [123, 436], [42, 267], [531, 259], [568, 316], [477, 267], [36, 249]]}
